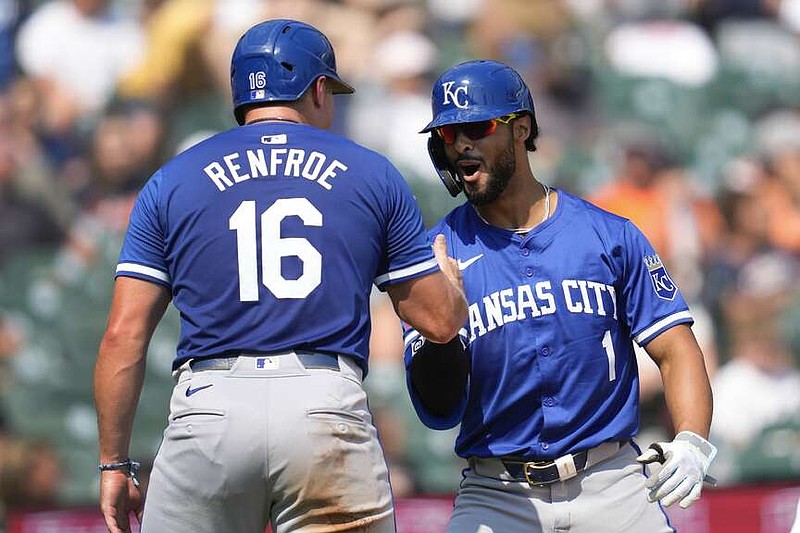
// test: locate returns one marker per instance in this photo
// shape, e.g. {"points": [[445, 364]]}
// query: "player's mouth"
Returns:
{"points": [[468, 168]]}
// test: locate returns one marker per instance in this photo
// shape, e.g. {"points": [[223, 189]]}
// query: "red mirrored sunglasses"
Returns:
{"points": [[473, 130]]}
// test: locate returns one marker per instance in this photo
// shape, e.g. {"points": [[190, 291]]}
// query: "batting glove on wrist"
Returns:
{"points": [[686, 460]]}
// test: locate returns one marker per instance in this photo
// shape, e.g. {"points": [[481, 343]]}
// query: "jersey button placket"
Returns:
{"points": [[525, 252]]}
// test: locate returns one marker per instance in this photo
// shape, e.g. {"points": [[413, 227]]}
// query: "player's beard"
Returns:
{"points": [[497, 182]]}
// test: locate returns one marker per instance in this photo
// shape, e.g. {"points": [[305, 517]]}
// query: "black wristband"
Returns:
{"points": [[130, 467], [439, 374]]}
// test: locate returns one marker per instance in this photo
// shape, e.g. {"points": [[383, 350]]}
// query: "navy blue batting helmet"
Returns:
{"points": [[478, 90], [473, 91], [277, 61]]}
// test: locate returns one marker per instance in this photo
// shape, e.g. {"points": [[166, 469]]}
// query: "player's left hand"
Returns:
{"points": [[686, 460], [447, 264], [118, 498]]}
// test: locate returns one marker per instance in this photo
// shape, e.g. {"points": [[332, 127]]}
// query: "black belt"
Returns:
{"points": [[542, 472], [309, 360]]}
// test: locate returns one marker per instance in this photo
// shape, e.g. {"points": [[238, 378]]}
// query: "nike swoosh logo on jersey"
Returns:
{"points": [[190, 390], [464, 264]]}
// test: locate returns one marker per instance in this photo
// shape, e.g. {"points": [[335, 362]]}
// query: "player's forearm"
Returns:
{"points": [[459, 314], [689, 401], [432, 305], [118, 379], [686, 386]]}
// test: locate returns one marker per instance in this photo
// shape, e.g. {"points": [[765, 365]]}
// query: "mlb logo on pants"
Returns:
{"points": [[267, 363]]}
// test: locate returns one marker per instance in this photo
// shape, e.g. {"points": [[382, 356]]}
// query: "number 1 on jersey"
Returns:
{"points": [[274, 248], [608, 344]]}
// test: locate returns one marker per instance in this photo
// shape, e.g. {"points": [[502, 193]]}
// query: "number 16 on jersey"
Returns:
{"points": [[245, 222]]}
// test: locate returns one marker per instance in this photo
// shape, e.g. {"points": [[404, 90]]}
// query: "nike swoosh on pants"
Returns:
{"points": [[190, 390]]}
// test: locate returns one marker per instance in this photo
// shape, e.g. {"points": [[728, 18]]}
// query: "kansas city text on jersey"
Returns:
{"points": [[272, 163], [526, 301]]}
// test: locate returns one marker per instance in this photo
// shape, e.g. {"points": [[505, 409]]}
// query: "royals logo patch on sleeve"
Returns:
{"points": [[664, 286]]}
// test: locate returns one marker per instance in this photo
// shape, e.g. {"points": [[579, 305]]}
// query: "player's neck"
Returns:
{"points": [[272, 119], [274, 114], [520, 210]]}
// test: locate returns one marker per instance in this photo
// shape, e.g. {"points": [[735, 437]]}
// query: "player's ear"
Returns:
{"points": [[522, 128], [319, 91]]}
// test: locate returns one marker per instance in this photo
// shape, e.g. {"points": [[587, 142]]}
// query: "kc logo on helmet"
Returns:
{"points": [[664, 286], [451, 95]]}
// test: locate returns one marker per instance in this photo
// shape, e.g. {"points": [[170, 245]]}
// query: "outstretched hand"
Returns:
{"points": [[447, 264], [118, 498]]}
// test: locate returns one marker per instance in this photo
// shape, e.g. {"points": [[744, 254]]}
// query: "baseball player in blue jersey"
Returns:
{"points": [[558, 290], [267, 238]]}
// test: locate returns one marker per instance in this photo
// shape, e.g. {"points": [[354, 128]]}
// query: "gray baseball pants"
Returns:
{"points": [[608, 497], [269, 440]]}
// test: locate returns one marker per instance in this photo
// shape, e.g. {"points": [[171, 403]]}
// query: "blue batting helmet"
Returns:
{"points": [[277, 61], [470, 92], [478, 90]]}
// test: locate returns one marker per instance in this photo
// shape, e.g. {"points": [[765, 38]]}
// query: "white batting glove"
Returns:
{"points": [[686, 460]]}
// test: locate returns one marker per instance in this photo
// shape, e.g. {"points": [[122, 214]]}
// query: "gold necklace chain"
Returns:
{"points": [[546, 211], [526, 230]]}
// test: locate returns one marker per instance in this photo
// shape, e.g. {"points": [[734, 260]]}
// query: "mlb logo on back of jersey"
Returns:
{"points": [[664, 286]]}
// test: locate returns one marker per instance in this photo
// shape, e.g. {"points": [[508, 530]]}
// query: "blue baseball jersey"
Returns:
{"points": [[270, 238], [552, 318]]}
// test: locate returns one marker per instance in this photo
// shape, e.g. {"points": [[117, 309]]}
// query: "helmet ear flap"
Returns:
{"points": [[446, 172]]}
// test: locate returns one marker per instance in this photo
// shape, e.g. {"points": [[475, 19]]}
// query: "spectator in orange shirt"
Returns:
{"points": [[633, 192]]}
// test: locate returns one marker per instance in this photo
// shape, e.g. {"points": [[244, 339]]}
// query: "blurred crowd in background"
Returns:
{"points": [[683, 115]]}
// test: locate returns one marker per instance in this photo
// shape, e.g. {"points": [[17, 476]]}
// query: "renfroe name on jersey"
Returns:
{"points": [[236, 167], [525, 301]]}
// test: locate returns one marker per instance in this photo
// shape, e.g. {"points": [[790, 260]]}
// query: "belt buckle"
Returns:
{"points": [[536, 465], [565, 469]]}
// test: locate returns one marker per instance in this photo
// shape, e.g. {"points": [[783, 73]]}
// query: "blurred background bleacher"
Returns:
{"points": [[683, 115]]}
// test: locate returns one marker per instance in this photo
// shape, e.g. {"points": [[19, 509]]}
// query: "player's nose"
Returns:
{"points": [[463, 143]]}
